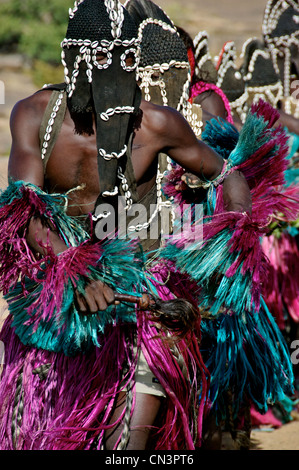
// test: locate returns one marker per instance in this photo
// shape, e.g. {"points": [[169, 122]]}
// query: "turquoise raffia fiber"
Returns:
{"points": [[42, 301], [225, 139], [244, 356], [207, 263]]}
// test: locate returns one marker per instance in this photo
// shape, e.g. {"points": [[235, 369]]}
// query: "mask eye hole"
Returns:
{"points": [[129, 60], [155, 77], [101, 58]]}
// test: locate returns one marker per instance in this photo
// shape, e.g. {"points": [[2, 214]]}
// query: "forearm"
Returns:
{"points": [[236, 193], [41, 238], [288, 121], [201, 160]]}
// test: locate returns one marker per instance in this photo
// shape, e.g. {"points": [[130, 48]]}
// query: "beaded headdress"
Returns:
{"points": [[281, 35], [230, 80], [164, 69], [261, 79], [205, 67], [109, 89]]}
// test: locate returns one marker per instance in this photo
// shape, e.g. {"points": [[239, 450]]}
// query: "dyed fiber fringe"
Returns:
{"points": [[49, 401], [41, 293], [63, 372], [248, 357], [244, 349], [281, 287], [229, 255]]}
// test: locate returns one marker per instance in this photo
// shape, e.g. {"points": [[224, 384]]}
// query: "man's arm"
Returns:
{"points": [[25, 161], [25, 164], [181, 144]]}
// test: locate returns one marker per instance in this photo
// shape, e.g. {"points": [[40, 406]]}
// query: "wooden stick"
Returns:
{"points": [[142, 302]]}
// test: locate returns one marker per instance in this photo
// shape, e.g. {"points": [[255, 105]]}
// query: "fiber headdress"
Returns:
{"points": [[103, 28]]}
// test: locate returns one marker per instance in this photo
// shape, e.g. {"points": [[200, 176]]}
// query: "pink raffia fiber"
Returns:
{"points": [[14, 251], [67, 408], [70, 408], [201, 86], [281, 285], [18, 259], [264, 171], [182, 385]]}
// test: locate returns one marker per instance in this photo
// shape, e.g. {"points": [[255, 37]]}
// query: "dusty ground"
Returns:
{"points": [[224, 20], [284, 438]]}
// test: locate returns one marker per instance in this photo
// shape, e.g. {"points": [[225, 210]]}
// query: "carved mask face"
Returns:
{"points": [[164, 69], [100, 55], [281, 35]]}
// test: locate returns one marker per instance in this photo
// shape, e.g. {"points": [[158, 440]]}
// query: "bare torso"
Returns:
{"points": [[73, 161]]}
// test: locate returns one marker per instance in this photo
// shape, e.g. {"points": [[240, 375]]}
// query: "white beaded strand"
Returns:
{"points": [[49, 127]]}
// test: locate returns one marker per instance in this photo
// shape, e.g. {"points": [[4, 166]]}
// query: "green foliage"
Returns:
{"points": [[43, 73], [34, 28]]}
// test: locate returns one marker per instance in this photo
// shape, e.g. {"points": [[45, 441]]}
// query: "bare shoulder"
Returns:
{"points": [[160, 119], [24, 160], [212, 103], [166, 127], [30, 108]]}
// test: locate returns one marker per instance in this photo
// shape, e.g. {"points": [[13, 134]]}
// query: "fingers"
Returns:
{"points": [[181, 186], [97, 296], [81, 304], [192, 181]]}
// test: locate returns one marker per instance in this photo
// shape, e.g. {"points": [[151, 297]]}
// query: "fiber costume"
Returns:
{"points": [[239, 336], [265, 73], [63, 371], [281, 290], [236, 337]]}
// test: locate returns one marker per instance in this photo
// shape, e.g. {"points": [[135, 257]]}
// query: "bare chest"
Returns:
{"points": [[74, 163]]}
